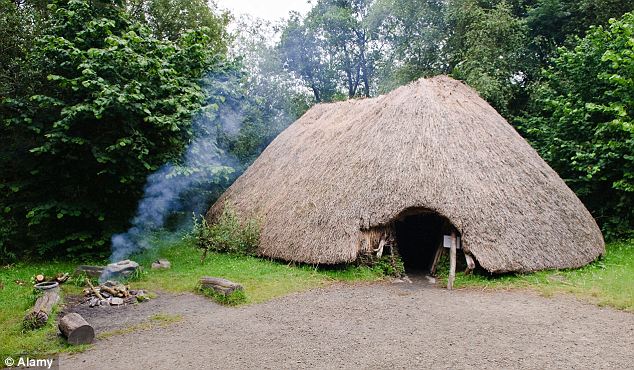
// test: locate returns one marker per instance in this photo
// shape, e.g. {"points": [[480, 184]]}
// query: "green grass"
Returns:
{"points": [[609, 282], [606, 282], [159, 320], [262, 280], [16, 299]]}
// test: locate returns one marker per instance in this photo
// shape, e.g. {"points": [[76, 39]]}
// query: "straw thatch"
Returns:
{"points": [[345, 169]]}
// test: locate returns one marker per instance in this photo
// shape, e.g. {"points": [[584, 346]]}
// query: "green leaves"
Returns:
{"points": [[114, 104], [582, 119]]}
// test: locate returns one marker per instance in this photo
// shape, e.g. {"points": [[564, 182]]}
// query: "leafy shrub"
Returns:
{"points": [[581, 121], [112, 104], [390, 265], [227, 235]]}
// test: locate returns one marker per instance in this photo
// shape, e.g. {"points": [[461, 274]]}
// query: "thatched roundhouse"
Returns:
{"points": [[403, 169]]}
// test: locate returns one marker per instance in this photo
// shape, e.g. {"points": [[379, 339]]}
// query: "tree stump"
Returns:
{"points": [[76, 329], [38, 315], [219, 285]]}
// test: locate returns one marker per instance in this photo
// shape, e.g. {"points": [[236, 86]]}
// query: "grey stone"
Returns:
{"points": [[116, 301], [121, 269], [161, 264]]}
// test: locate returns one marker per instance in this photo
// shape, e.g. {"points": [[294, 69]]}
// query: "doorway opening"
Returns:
{"points": [[419, 239]]}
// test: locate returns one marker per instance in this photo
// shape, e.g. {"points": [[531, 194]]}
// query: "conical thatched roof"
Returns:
{"points": [[351, 166]]}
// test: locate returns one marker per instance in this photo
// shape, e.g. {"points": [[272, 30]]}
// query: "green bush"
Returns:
{"points": [[581, 122], [111, 104], [227, 235], [390, 265]]}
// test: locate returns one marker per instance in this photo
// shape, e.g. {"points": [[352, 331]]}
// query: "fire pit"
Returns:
{"points": [[112, 293]]}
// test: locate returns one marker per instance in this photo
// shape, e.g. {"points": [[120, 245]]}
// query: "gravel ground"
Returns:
{"points": [[368, 326]]}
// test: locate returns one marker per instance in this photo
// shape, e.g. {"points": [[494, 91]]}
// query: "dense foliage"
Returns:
{"points": [[111, 103], [582, 121], [228, 234]]}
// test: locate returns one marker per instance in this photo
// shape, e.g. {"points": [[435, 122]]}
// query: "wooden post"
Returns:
{"points": [[439, 251], [470, 263], [452, 261]]}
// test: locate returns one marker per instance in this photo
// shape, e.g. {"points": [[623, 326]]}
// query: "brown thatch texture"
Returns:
{"points": [[435, 144]]}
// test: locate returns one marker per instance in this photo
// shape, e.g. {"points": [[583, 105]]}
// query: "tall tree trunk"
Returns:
{"points": [[364, 63]]}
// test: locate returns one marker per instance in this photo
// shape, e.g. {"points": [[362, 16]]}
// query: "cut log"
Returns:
{"points": [[452, 261], [219, 285], [39, 278], [76, 329], [470, 263], [38, 315]]}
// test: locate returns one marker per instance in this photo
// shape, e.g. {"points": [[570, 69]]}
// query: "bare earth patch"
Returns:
{"points": [[380, 325]]}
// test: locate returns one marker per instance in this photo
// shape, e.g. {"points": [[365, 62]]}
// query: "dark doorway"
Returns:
{"points": [[418, 237]]}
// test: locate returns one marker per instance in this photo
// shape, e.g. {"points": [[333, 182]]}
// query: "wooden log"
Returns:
{"points": [[219, 285], [39, 278], [76, 329], [452, 261], [61, 278], [38, 315], [94, 291], [111, 291], [470, 263]]}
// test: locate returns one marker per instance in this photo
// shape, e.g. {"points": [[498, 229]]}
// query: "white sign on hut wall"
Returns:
{"points": [[446, 241]]}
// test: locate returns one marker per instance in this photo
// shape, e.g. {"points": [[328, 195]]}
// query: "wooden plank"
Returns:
{"points": [[452, 261]]}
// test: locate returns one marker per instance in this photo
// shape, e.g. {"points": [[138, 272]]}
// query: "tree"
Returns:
{"points": [[171, 19], [410, 36], [487, 49], [342, 24], [303, 53], [114, 104], [553, 22], [581, 119]]}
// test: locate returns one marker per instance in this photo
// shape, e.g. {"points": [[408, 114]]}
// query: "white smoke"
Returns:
{"points": [[170, 189]]}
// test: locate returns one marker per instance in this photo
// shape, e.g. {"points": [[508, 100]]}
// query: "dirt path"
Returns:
{"points": [[373, 326]]}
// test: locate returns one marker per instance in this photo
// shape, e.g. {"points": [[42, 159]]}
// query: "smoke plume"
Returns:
{"points": [[181, 187]]}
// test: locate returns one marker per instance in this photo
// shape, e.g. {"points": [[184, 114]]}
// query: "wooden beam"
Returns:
{"points": [[452, 261], [470, 263], [439, 251]]}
